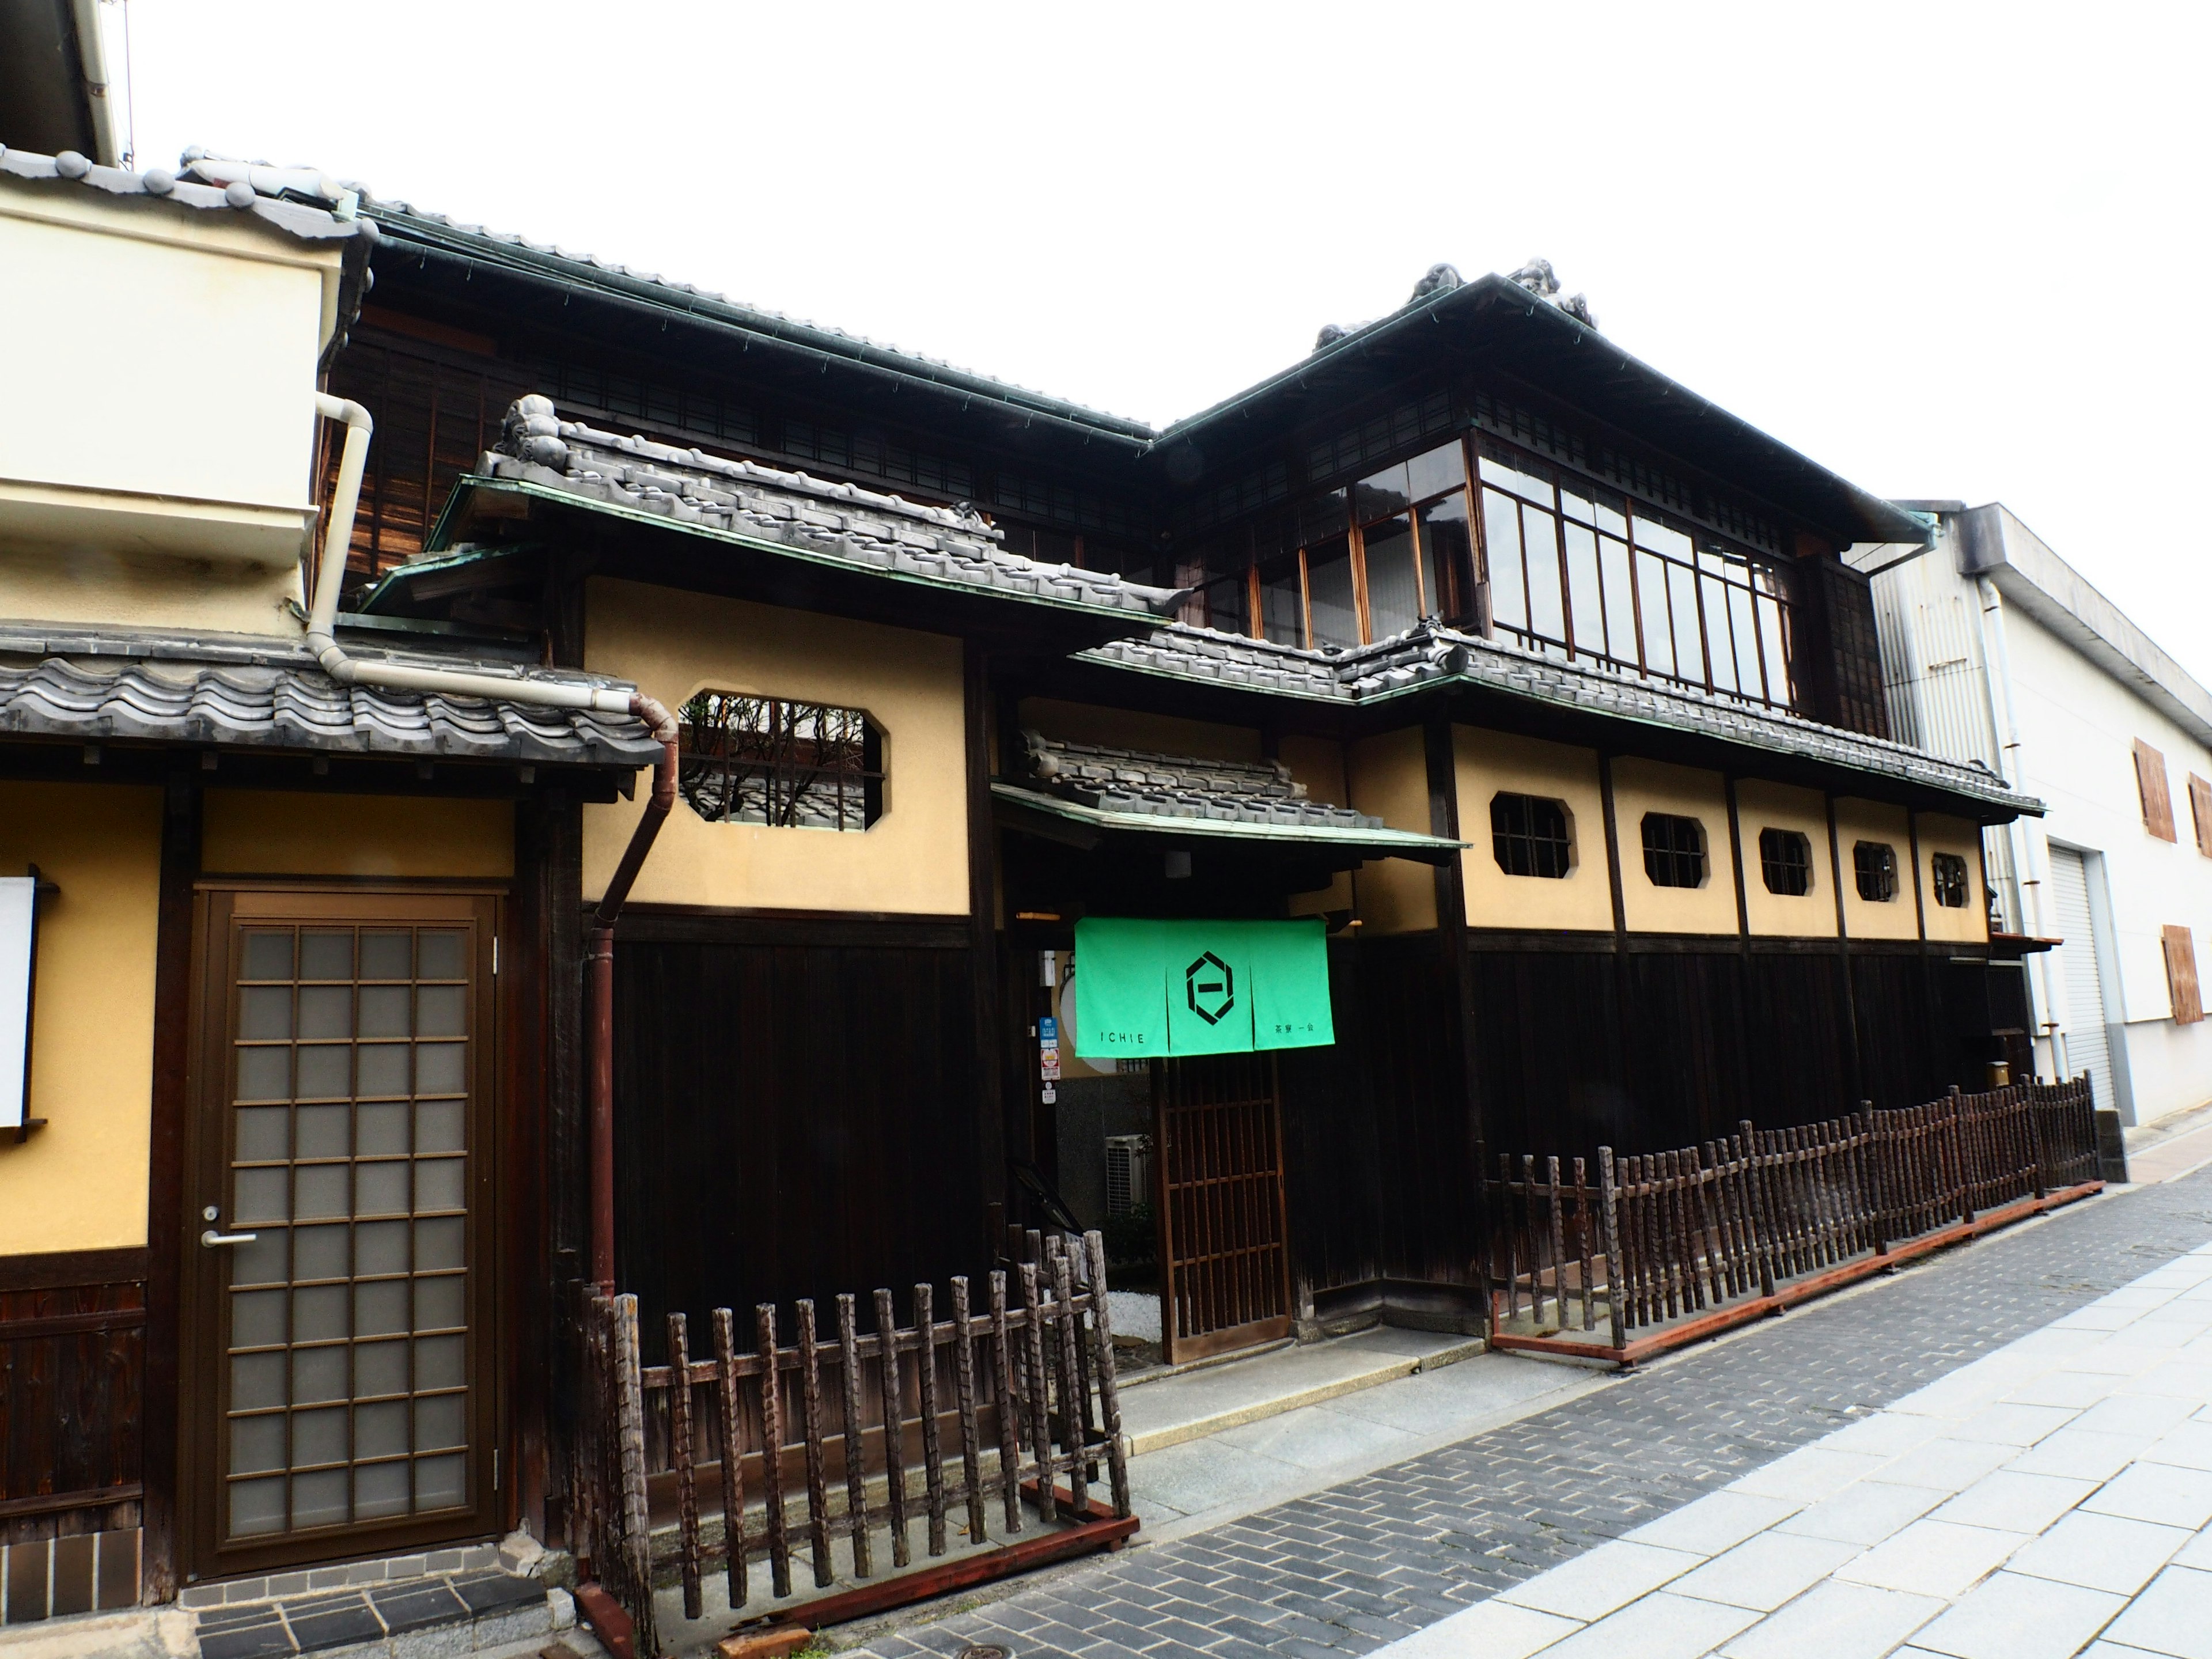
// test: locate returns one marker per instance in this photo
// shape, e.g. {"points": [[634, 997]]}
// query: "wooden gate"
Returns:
{"points": [[1224, 1260]]}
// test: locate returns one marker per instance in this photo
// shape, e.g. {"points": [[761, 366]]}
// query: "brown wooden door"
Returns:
{"points": [[338, 1275], [1224, 1260]]}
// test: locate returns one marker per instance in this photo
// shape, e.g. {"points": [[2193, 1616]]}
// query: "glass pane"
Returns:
{"points": [[320, 1499], [268, 956], [438, 1126], [326, 956], [1650, 533], [1224, 603], [383, 1069], [441, 1483], [326, 1131], [326, 1010], [256, 1507], [257, 1380], [1721, 650], [440, 1303], [439, 1423], [441, 1069], [1431, 474], [1773, 635], [384, 1009], [440, 1361], [263, 1132], [443, 954], [1508, 592], [380, 1368], [383, 1127], [1328, 574], [321, 1253], [1381, 494], [1447, 556], [1746, 632], [438, 1244], [381, 1188], [325, 1071], [1689, 658], [1579, 507], [1620, 599], [264, 1261], [317, 1374], [1586, 604], [380, 1431], [380, 1247], [319, 1313], [1547, 608], [322, 1192], [1323, 516], [257, 1319], [264, 1073], [387, 956], [380, 1490], [256, 1443], [1393, 599], [380, 1307], [265, 1011], [440, 1183], [260, 1195], [1282, 602], [1658, 635], [318, 1436], [1495, 472]]}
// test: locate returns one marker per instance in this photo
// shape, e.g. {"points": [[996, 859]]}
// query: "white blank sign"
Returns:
{"points": [[18, 910]]}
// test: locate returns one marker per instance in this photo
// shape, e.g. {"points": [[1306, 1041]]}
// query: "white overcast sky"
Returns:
{"points": [[1948, 250]]}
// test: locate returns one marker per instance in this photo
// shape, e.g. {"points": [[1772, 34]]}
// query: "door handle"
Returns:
{"points": [[211, 1238]]}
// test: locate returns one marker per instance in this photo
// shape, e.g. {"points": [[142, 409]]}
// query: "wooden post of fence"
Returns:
{"points": [[933, 1456], [856, 1440], [1072, 1390], [1615, 1268], [680, 1459], [1583, 1242], [963, 1386], [894, 1427], [1110, 1399], [1035, 1386], [818, 1470], [630, 1418], [733, 1453], [771, 1399], [1010, 1454], [2040, 1166]]}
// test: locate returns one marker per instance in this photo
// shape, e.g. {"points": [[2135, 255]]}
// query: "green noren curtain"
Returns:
{"points": [[1147, 988]]}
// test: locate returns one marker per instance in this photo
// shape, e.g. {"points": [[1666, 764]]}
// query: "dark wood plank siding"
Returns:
{"points": [[793, 1119], [72, 1372]]}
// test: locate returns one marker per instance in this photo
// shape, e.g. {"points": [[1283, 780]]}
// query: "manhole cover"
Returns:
{"points": [[986, 1651]]}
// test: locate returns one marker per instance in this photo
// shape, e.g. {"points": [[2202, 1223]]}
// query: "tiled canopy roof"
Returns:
{"points": [[250, 700], [809, 515], [1427, 654], [310, 221], [1179, 786]]}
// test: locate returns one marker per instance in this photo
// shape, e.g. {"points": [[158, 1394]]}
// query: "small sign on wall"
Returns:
{"points": [[18, 943]]}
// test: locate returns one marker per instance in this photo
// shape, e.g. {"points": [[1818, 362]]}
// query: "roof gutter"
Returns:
{"points": [[600, 954]]}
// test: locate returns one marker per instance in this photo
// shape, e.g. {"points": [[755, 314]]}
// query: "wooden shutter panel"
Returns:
{"points": [[2181, 975], [2200, 809], [2150, 784]]}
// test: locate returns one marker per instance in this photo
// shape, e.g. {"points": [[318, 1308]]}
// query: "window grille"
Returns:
{"points": [[1785, 859], [1875, 864], [1529, 836], [768, 761], [1947, 875], [1674, 850]]}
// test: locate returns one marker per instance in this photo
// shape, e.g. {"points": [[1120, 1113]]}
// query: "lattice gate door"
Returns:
{"points": [[1224, 1260]]}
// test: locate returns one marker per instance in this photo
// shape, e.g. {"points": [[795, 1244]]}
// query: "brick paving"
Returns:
{"points": [[1347, 1570]]}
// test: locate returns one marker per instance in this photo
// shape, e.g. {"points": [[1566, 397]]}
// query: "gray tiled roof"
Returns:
{"points": [[1179, 786], [811, 516], [259, 699], [1428, 654], [296, 218]]}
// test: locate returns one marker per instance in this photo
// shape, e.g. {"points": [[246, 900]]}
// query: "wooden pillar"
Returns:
{"points": [[1858, 1080], [1451, 967], [1614, 875], [983, 938]]}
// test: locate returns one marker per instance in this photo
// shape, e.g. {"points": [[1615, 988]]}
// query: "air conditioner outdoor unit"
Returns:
{"points": [[1129, 1173]]}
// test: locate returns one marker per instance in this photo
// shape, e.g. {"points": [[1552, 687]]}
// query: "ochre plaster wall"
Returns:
{"points": [[1490, 762], [256, 832], [913, 861], [96, 585], [80, 1183], [1389, 776], [1781, 806], [1128, 728], [1866, 820], [1640, 787], [1969, 925], [1318, 763]]}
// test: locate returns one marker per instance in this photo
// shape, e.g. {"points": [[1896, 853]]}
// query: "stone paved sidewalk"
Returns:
{"points": [[2051, 1496], [1350, 1568]]}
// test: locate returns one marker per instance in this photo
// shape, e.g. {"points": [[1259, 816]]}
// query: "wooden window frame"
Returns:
{"points": [[1671, 855], [2183, 991], [1937, 885], [2152, 792], [218, 907], [1538, 847], [1886, 873], [1768, 865]]}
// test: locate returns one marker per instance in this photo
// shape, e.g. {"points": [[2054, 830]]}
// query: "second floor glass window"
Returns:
{"points": [[1529, 836], [1946, 873], [1874, 864], [1674, 850], [1785, 862]]}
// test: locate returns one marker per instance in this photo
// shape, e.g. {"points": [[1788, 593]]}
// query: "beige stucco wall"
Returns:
{"points": [[1969, 926], [1761, 806], [1643, 786], [1318, 763], [91, 583], [1490, 761], [1865, 820], [1129, 728], [1389, 776], [913, 861], [182, 422], [283, 833], [80, 1183]]}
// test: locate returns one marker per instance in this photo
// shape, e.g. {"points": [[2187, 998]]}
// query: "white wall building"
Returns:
{"points": [[1994, 649]]}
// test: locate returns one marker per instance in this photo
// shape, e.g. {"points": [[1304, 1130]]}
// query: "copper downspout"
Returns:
{"points": [[599, 985]]}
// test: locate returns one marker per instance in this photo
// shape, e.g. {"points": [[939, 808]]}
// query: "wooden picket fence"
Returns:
{"points": [[1681, 1244], [1008, 1413]]}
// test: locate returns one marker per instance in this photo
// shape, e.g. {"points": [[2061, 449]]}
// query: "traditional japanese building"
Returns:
{"points": [[1468, 738]]}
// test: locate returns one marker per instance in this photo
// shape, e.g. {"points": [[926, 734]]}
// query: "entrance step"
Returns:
{"points": [[1167, 1411], [482, 1611]]}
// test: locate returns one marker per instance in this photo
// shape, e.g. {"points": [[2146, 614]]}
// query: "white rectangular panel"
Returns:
{"points": [[18, 902]]}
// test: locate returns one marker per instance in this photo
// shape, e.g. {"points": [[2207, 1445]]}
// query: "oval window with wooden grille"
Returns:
{"points": [[774, 762], [1947, 876], [1873, 864], [1530, 835], [1674, 850], [1785, 862]]}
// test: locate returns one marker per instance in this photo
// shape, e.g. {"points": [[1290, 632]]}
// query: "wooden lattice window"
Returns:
{"points": [[1785, 861], [2181, 987], [2200, 809], [1873, 864], [1674, 850], [1529, 836], [771, 761], [1947, 874], [2150, 787]]}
